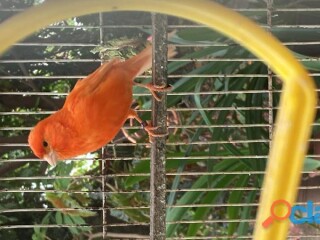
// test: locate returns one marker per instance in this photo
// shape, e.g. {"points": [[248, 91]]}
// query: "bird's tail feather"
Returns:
{"points": [[143, 61]]}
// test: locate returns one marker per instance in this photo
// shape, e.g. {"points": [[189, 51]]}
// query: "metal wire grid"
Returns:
{"points": [[205, 143]]}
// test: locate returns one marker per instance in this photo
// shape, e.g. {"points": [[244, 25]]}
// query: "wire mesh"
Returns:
{"points": [[220, 121]]}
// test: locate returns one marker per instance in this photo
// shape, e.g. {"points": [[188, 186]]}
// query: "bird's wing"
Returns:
{"points": [[86, 86]]}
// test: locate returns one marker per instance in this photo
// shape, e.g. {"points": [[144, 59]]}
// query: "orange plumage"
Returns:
{"points": [[94, 111]]}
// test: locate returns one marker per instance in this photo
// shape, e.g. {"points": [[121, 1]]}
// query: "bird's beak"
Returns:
{"points": [[51, 158]]}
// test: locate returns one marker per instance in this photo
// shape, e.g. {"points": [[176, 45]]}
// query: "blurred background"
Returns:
{"points": [[221, 116]]}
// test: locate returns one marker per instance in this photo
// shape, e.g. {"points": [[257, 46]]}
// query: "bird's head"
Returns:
{"points": [[42, 142]]}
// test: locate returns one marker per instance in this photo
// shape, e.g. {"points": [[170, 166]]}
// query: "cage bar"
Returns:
{"points": [[159, 120], [267, 13]]}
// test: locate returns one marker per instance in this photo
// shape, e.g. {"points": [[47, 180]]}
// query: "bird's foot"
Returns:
{"points": [[152, 131], [154, 89]]}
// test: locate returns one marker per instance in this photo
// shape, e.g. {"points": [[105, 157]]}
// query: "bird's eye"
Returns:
{"points": [[45, 144]]}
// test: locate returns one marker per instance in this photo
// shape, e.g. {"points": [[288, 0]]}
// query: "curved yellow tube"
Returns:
{"points": [[298, 100]]}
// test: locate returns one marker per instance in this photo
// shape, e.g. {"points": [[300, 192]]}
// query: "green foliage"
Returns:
{"points": [[122, 48], [74, 197]]}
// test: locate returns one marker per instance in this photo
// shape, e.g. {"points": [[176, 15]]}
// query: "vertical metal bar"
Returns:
{"points": [[159, 119], [103, 163], [270, 75]]}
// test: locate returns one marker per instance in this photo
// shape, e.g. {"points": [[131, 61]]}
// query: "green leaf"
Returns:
{"points": [[80, 221], [296, 34], [40, 233], [208, 198], [310, 164], [175, 214], [38, 236], [181, 166], [46, 218], [7, 219], [144, 167], [200, 35], [246, 213], [58, 218], [73, 229], [235, 197], [316, 128]]}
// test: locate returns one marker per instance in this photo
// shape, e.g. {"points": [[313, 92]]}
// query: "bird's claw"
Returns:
{"points": [[154, 89], [152, 131]]}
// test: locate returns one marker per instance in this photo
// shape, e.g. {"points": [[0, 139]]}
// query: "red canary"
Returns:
{"points": [[94, 111]]}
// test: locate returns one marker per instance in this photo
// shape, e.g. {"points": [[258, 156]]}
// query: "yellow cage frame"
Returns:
{"points": [[298, 100]]}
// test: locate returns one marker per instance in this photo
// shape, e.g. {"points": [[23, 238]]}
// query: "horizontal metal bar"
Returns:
{"points": [[13, 61], [214, 44], [211, 221], [186, 109], [219, 59], [45, 226], [168, 144], [143, 26], [217, 157], [236, 9], [181, 26], [244, 126], [173, 76], [300, 237], [126, 127], [71, 225], [205, 142], [126, 26], [190, 109], [211, 237], [224, 205], [275, 9], [247, 189], [170, 76], [70, 177], [172, 143], [199, 158], [143, 76], [216, 205], [124, 224], [34, 210], [235, 44], [295, 26], [128, 175], [147, 94], [199, 44], [71, 44]]}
